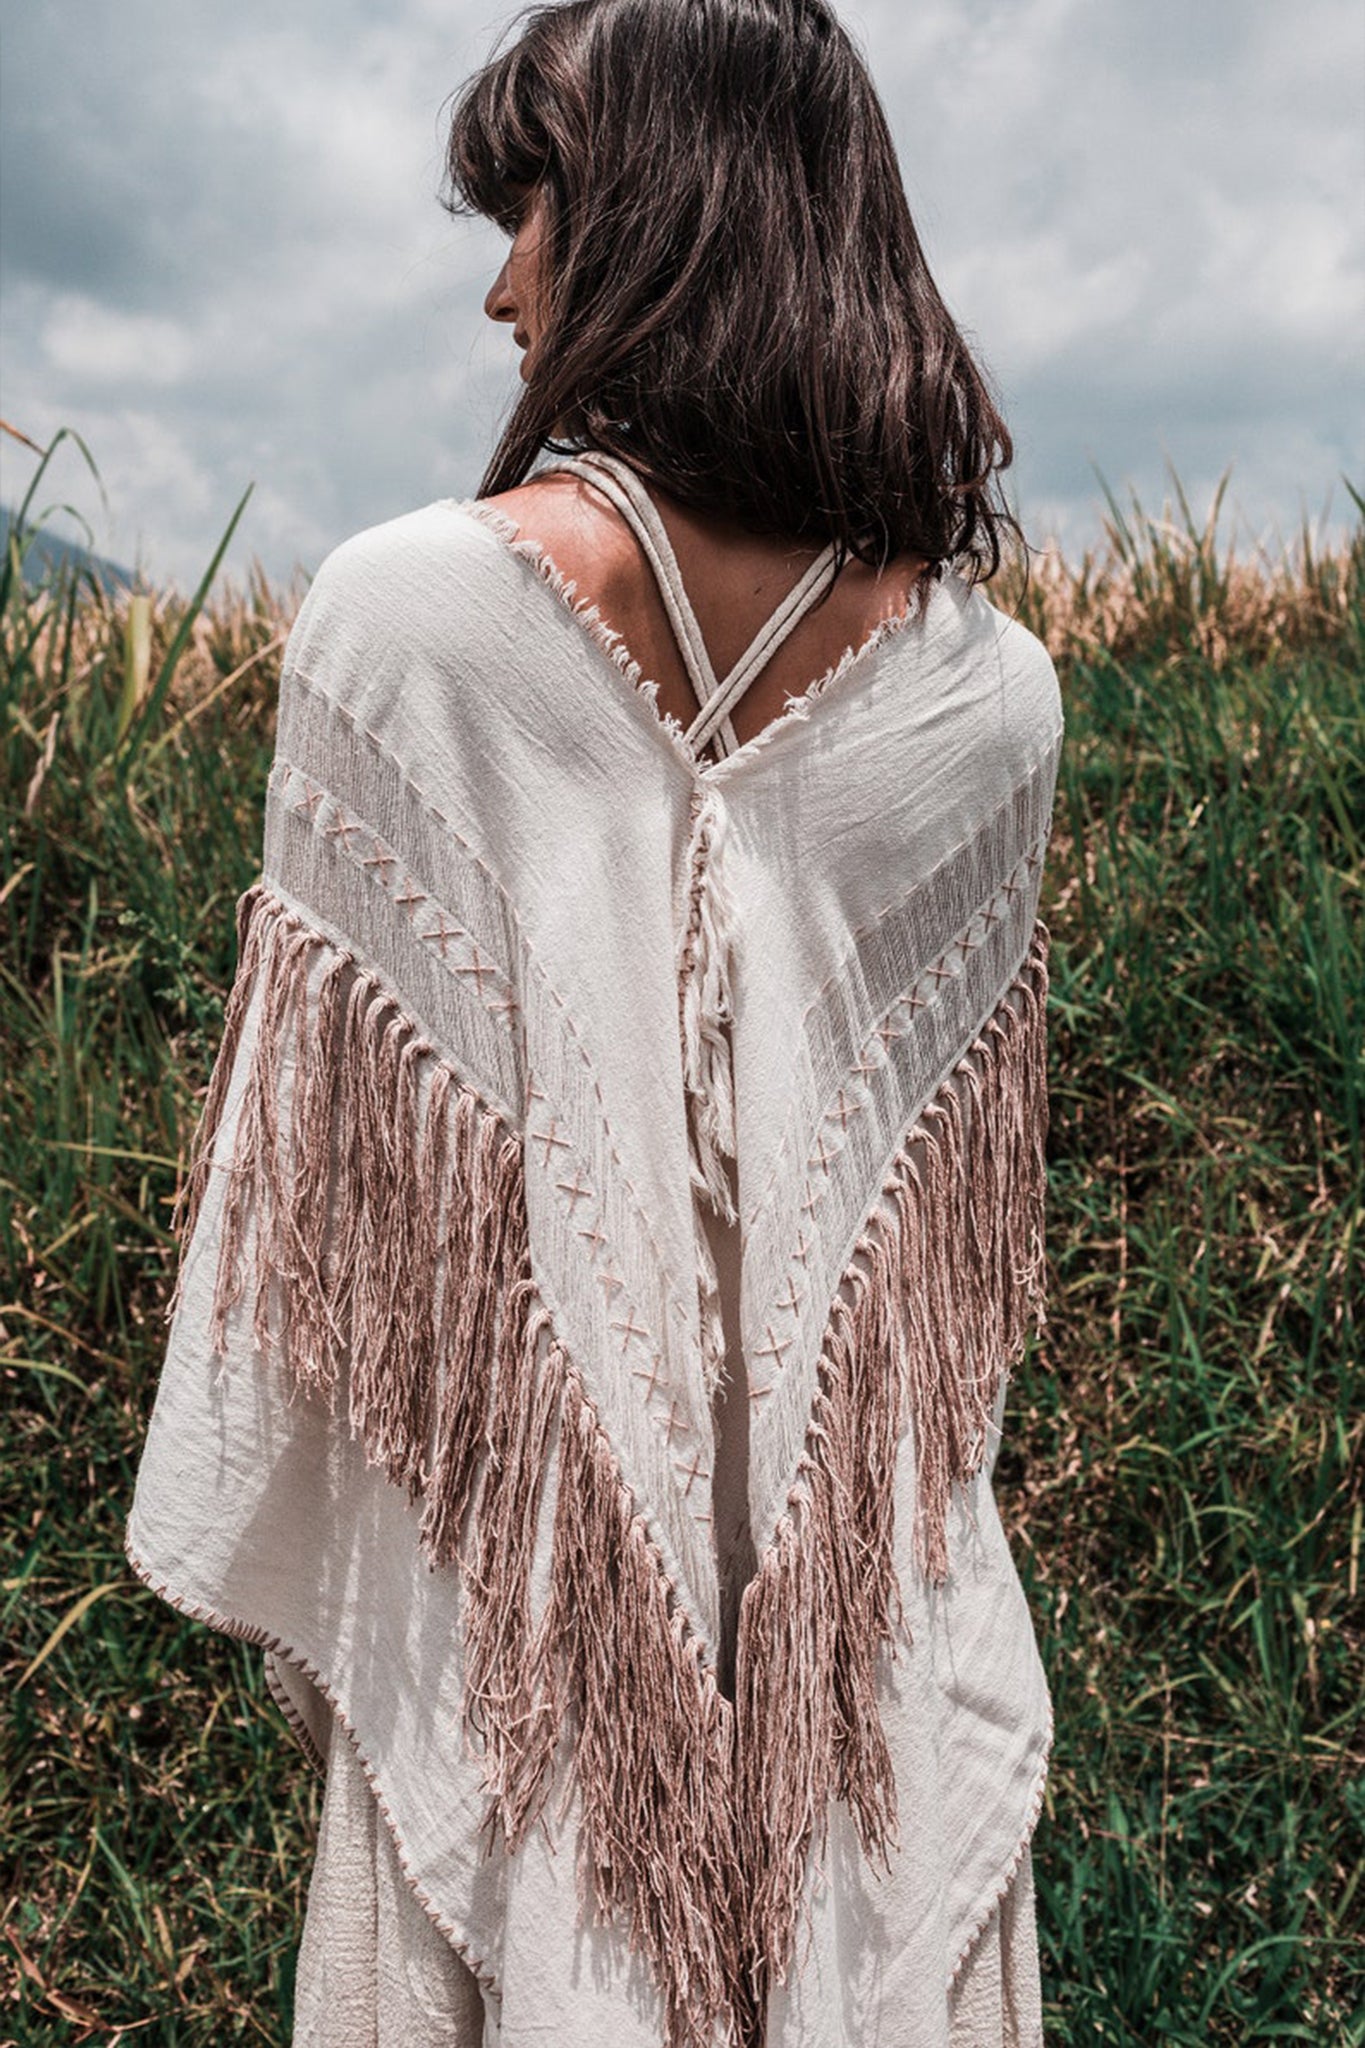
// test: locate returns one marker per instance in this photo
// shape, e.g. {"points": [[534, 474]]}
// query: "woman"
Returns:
{"points": [[618, 1203]]}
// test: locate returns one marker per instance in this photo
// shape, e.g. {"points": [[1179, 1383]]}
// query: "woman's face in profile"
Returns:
{"points": [[519, 291]]}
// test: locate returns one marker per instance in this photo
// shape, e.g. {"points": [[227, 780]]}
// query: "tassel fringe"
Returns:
{"points": [[454, 1394], [391, 1253], [705, 1011], [945, 1284]]}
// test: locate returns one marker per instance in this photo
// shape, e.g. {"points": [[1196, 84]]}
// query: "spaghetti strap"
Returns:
{"points": [[764, 645], [619, 482]]}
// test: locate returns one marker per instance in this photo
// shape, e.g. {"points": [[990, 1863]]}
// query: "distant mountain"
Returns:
{"points": [[46, 553]]}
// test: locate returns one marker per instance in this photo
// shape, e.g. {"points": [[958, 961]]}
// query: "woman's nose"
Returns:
{"points": [[500, 305]]}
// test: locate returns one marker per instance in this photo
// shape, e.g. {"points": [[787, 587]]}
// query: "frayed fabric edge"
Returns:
{"points": [[584, 611], [797, 705], [260, 1638], [1032, 1813]]}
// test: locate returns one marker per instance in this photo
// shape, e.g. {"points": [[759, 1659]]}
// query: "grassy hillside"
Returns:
{"points": [[1182, 1463]]}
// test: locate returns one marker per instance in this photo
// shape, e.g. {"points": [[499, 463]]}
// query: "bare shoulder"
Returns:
{"points": [[585, 537], [565, 512]]}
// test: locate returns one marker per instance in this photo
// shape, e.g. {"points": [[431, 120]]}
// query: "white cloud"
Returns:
{"points": [[93, 344]]}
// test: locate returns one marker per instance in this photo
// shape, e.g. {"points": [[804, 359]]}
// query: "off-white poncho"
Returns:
{"points": [[560, 1053]]}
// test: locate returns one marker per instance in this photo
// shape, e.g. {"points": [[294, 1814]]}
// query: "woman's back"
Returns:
{"points": [[734, 578]]}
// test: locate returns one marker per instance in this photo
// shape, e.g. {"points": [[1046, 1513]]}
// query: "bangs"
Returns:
{"points": [[499, 143]]}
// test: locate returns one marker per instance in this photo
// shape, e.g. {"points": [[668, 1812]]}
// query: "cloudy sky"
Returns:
{"points": [[224, 261]]}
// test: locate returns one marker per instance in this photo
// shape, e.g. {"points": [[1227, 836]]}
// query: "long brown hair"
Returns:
{"points": [[739, 305]]}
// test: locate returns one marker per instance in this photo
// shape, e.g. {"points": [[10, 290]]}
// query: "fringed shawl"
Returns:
{"points": [[522, 976]]}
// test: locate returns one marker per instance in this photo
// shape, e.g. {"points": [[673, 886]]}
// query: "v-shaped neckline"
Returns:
{"points": [[717, 696], [610, 646]]}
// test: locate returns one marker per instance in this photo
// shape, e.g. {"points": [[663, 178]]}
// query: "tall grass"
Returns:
{"points": [[1181, 1470]]}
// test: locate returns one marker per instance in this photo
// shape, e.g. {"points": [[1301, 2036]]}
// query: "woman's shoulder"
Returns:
{"points": [[385, 564], [413, 585], [1009, 655]]}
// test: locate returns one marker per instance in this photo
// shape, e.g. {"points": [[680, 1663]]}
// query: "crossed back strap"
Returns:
{"points": [[619, 482]]}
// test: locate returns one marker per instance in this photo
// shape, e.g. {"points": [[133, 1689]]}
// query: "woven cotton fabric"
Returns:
{"points": [[577, 1092], [373, 1971]]}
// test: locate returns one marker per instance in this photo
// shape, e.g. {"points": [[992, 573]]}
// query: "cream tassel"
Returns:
{"points": [[705, 1008]]}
